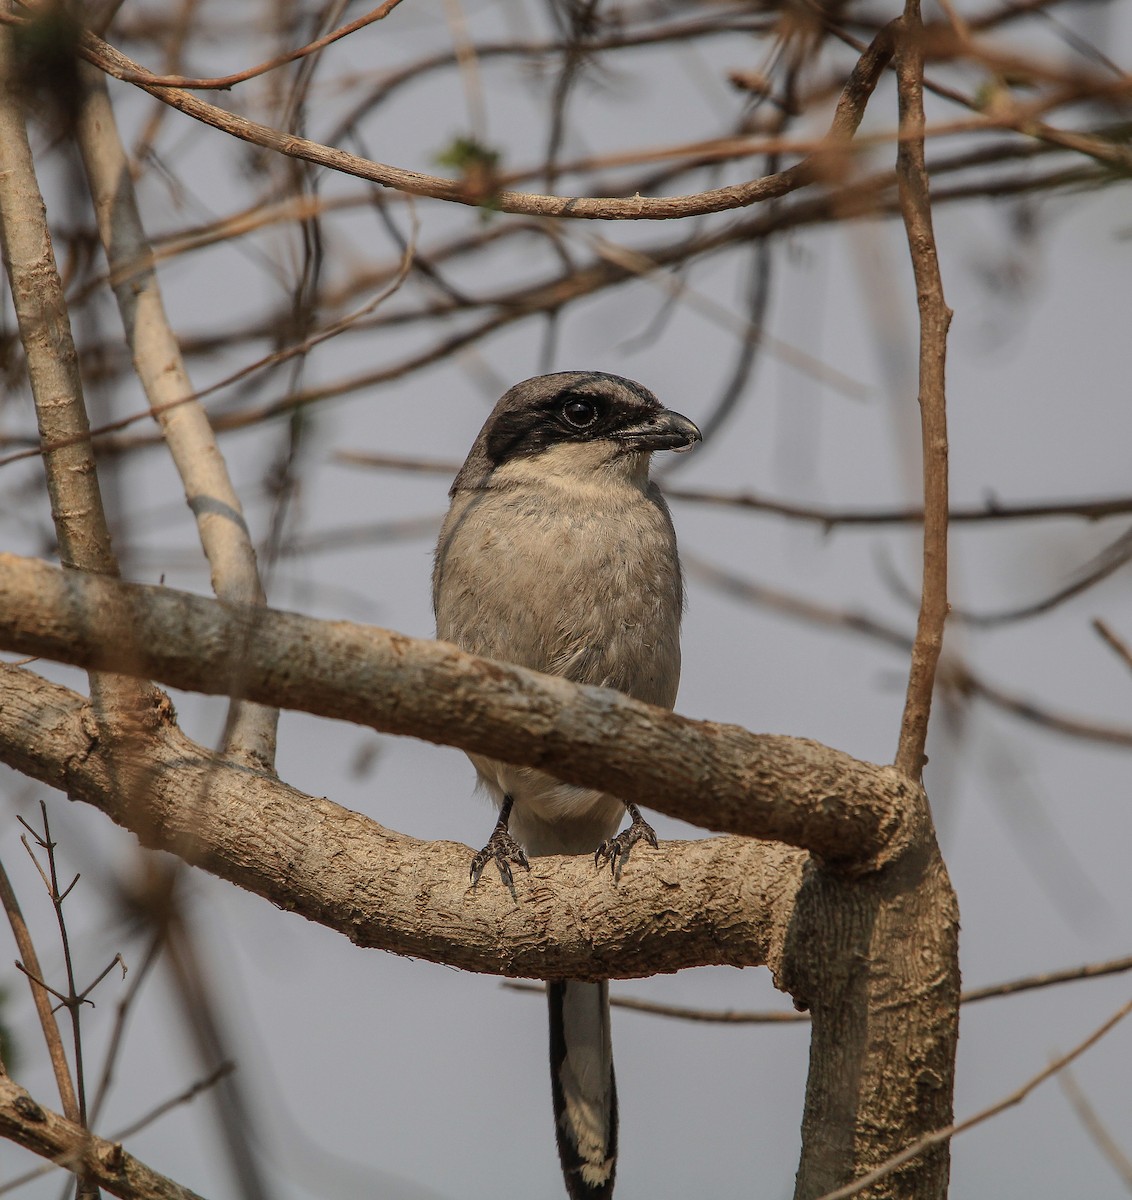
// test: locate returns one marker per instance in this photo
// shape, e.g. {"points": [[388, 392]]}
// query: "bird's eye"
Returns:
{"points": [[581, 414]]}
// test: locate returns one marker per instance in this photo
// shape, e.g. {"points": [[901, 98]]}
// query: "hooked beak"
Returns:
{"points": [[666, 430]]}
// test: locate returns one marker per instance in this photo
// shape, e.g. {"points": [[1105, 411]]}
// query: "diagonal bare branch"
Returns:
{"points": [[811, 169]]}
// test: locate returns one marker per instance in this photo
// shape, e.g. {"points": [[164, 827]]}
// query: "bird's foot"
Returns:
{"points": [[615, 851], [504, 850]]}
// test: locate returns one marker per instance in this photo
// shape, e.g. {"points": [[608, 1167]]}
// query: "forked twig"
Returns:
{"points": [[73, 999], [43, 1006]]}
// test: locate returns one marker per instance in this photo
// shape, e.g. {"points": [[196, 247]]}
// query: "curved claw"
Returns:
{"points": [[616, 850], [504, 850]]}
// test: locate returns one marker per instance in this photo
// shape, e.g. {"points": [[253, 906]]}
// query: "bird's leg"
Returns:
{"points": [[501, 847], [615, 851]]}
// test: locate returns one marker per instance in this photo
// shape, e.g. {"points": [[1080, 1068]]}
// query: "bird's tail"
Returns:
{"points": [[585, 1095]]}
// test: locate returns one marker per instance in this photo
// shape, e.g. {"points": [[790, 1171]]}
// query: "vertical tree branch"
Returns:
{"points": [[876, 958], [935, 317], [52, 364], [161, 369]]}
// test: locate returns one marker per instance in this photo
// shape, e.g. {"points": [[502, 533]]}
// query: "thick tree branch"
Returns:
{"points": [[720, 900], [938, 1137], [720, 777]]}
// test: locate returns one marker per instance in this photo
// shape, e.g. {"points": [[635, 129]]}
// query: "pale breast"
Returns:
{"points": [[586, 587]]}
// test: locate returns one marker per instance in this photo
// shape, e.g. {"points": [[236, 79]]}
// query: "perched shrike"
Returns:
{"points": [[558, 554]]}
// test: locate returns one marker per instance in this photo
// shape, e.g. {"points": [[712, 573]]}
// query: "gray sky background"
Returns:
{"points": [[372, 1075]]}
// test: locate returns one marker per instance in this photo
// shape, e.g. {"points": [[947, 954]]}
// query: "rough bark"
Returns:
{"points": [[876, 961], [867, 939], [52, 1136], [721, 900], [720, 777]]}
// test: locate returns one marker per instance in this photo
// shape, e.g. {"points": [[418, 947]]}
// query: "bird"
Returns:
{"points": [[558, 554]]}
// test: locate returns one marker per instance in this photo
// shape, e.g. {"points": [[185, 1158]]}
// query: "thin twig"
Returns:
{"points": [[1096, 1129], [39, 992], [935, 317], [830, 518], [1114, 640], [739, 1016], [189, 1094], [224, 82], [73, 1000], [850, 109]]}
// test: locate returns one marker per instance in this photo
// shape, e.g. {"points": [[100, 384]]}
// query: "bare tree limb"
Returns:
{"points": [[45, 330], [845, 943], [935, 317], [718, 776], [157, 358], [812, 168], [52, 1136], [719, 900]]}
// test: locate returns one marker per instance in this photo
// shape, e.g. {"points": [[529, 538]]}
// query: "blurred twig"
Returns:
{"points": [[1114, 640], [830, 518], [1102, 565], [953, 674], [224, 82], [161, 370], [1096, 1128]]}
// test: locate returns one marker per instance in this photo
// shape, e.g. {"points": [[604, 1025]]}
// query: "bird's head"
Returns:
{"points": [[576, 422]]}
